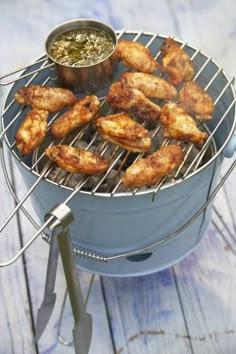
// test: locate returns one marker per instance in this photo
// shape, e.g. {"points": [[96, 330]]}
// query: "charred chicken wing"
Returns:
{"points": [[195, 100], [120, 129], [150, 85], [81, 113], [51, 99], [179, 125], [32, 131], [76, 160], [175, 62], [133, 100], [136, 56], [147, 171]]}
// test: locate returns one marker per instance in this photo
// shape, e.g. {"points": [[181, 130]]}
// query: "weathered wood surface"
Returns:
{"points": [[15, 302], [189, 308]]}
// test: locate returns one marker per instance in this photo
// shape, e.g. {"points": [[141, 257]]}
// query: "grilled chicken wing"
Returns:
{"points": [[32, 131], [136, 56], [81, 113], [179, 125], [133, 100], [76, 160], [176, 62], [195, 100], [147, 171], [120, 129], [51, 99], [150, 85]]}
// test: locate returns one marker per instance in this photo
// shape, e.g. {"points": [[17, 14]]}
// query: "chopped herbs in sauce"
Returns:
{"points": [[81, 47]]}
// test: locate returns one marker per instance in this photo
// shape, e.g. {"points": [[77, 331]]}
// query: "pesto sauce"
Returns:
{"points": [[81, 47]]}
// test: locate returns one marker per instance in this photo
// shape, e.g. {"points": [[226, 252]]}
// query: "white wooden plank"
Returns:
{"points": [[206, 282], [15, 324], [145, 314]]}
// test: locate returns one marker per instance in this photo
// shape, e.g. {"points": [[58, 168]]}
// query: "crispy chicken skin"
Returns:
{"points": [[51, 99], [81, 113], [147, 171], [175, 62], [76, 160], [150, 85], [133, 100], [32, 131], [136, 56], [195, 100], [121, 130], [179, 125]]}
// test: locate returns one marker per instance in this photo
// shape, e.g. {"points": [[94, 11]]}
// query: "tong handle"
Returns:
{"points": [[52, 263], [70, 270]]}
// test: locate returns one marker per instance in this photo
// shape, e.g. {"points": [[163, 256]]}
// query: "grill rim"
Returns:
{"points": [[151, 190]]}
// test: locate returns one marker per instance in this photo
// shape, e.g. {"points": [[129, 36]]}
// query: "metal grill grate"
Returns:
{"points": [[39, 72], [118, 158]]}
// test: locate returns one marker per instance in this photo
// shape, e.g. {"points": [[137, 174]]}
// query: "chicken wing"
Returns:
{"points": [[195, 100], [147, 171], [179, 125], [150, 85], [76, 160], [176, 62], [51, 99], [136, 56], [81, 113], [133, 100], [32, 131], [120, 129]]}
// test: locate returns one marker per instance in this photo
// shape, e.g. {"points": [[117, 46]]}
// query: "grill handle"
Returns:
{"points": [[11, 81]]}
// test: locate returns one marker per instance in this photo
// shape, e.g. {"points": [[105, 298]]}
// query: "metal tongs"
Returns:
{"points": [[61, 242], [49, 299]]}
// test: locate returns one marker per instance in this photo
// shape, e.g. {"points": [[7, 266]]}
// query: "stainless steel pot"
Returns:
{"points": [[129, 232], [88, 78]]}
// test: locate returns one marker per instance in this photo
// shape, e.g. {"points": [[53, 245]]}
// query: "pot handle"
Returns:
{"points": [[230, 147]]}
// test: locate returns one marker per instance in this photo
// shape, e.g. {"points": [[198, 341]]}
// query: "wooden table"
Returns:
{"points": [[188, 308]]}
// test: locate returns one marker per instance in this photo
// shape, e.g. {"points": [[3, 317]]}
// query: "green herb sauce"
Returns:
{"points": [[82, 47]]}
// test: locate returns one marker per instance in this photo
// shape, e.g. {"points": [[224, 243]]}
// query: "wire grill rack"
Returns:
{"points": [[41, 72]]}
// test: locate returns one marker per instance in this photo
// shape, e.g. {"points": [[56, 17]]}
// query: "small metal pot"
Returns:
{"points": [[88, 78]]}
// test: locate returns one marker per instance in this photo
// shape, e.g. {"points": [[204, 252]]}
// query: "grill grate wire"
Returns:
{"points": [[117, 153]]}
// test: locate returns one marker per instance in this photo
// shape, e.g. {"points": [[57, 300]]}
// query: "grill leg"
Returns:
{"points": [[60, 337]]}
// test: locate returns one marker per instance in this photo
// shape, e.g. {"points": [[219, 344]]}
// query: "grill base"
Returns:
{"points": [[149, 262], [111, 226]]}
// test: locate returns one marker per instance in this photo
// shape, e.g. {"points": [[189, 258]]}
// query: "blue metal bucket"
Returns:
{"points": [[125, 223]]}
